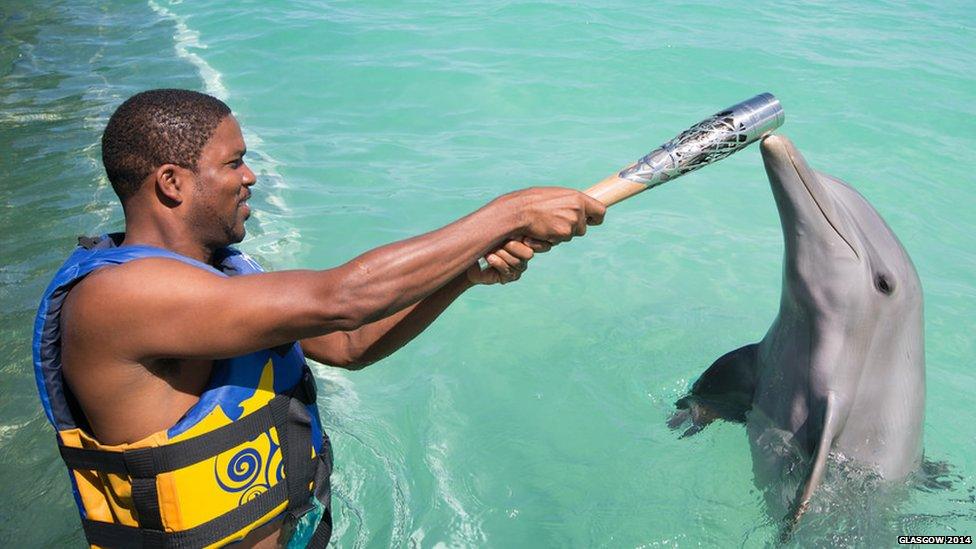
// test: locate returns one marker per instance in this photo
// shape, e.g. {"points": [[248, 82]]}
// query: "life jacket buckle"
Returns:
{"points": [[305, 390]]}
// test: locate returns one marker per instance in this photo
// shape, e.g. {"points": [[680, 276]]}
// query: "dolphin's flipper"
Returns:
{"points": [[936, 475], [724, 391], [830, 429]]}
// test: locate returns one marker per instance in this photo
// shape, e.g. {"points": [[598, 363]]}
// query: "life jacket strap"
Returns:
{"points": [[106, 534], [296, 448], [149, 462]]}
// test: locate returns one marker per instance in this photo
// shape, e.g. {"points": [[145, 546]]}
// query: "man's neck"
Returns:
{"points": [[182, 246]]}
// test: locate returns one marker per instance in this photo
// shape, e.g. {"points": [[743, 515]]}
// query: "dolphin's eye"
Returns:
{"points": [[884, 286]]}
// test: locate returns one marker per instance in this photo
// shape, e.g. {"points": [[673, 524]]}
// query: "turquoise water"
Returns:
{"points": [[531, 414]]}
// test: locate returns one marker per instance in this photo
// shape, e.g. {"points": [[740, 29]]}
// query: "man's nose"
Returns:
{"points": [[249, 177]]}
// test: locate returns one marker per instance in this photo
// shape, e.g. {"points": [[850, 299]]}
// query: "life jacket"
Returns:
{"points": [[251, 450]]}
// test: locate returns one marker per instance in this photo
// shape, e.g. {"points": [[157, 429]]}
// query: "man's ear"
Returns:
{"points": [[172, 182]]}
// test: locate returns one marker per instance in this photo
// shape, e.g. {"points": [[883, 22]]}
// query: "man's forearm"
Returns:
{"points": [[392, 277], [374, 341]]}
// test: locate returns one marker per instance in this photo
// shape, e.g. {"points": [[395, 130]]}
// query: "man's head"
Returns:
{"points": [[180, 152]]}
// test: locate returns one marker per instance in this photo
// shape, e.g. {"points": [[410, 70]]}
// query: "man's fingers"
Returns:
{"points": [[509, 262], [500, 265], [487, 276], [580, 228], [595, 210], [538, 246], [519, 249], [514, 263], [565, 233]]}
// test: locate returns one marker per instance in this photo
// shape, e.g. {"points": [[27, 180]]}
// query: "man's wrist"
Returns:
{"points": [[509, 210]]}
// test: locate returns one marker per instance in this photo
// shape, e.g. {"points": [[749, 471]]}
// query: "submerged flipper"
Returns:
{"points": [[936, 476], [830, 428], [724, 391]]}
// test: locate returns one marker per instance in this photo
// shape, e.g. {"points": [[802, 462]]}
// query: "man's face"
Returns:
{"points": [[219, 206]]}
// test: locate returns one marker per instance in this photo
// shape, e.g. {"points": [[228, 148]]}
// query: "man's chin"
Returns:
{"points": [[240, 230], [236, 234]]}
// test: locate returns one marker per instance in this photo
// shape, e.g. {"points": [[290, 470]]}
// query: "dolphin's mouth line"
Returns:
{"points": [[813, 197]]}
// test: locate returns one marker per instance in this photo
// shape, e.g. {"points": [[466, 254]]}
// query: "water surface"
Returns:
{"points": [[531, 414]]}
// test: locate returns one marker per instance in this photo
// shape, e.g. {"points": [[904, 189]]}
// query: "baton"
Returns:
{"points": [[708, 141]]}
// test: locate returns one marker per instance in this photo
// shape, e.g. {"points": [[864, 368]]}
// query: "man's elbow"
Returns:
{"points": [[339, 315], [339, 350], [355, 355], [349, 308], [343, 323], [347, 362], [355, 365]]}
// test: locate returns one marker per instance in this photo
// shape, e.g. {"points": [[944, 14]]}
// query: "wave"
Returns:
{"points": [[186, 38]]}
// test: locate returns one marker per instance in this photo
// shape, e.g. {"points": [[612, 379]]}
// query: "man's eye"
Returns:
{"points": [[236, 163]]}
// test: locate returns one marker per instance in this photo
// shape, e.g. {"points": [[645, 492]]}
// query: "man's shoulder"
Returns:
{"points": [[137, 279]]}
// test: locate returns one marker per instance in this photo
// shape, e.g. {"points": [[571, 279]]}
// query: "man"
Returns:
{"points": [[167, 362]]}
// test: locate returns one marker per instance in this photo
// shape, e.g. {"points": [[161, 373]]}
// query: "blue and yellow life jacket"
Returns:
{"points": [[251, 450]]}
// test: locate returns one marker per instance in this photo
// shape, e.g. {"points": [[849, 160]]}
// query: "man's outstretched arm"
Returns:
{"points": [[359, 348], [171, 310]]}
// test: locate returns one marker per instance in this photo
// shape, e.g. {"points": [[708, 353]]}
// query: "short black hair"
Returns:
{"points": [[157, 127]]}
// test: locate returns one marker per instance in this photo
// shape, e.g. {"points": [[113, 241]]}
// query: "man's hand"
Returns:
{"points": [[548, 216], [508, 262], [555, 214]]}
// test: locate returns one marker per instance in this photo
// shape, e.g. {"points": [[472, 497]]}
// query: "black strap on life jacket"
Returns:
{"points": [[286, 413]]}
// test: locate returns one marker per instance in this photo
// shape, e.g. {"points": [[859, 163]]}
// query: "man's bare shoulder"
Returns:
{"points": [[127, 296], [145, 278]]}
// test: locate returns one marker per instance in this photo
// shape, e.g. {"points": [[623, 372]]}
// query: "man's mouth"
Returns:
{"points": [[242, 204]]}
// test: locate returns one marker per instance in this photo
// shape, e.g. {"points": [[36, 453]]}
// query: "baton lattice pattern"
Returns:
{"points": [[706, 142]]}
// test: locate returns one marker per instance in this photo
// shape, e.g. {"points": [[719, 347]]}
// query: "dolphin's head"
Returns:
{"points": [[842, 261]]}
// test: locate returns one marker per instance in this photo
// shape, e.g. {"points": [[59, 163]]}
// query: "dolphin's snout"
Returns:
{"points": [[778, 153], [786, 177], [801, 195], [773, 143]]}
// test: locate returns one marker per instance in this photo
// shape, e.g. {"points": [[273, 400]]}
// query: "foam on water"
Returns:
{"points": [[466, 530], [184, 40]]}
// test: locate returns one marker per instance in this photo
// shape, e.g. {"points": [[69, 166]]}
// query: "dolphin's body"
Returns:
{"points": [[842, 369]]}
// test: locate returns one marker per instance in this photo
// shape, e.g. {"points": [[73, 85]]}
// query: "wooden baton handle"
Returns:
{"points": [[614, 189]]}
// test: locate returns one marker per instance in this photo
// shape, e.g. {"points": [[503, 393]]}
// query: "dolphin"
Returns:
{"points": [[841, 371]]}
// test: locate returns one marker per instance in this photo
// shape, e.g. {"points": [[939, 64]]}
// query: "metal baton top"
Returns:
{"points": [[710, 140]]}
